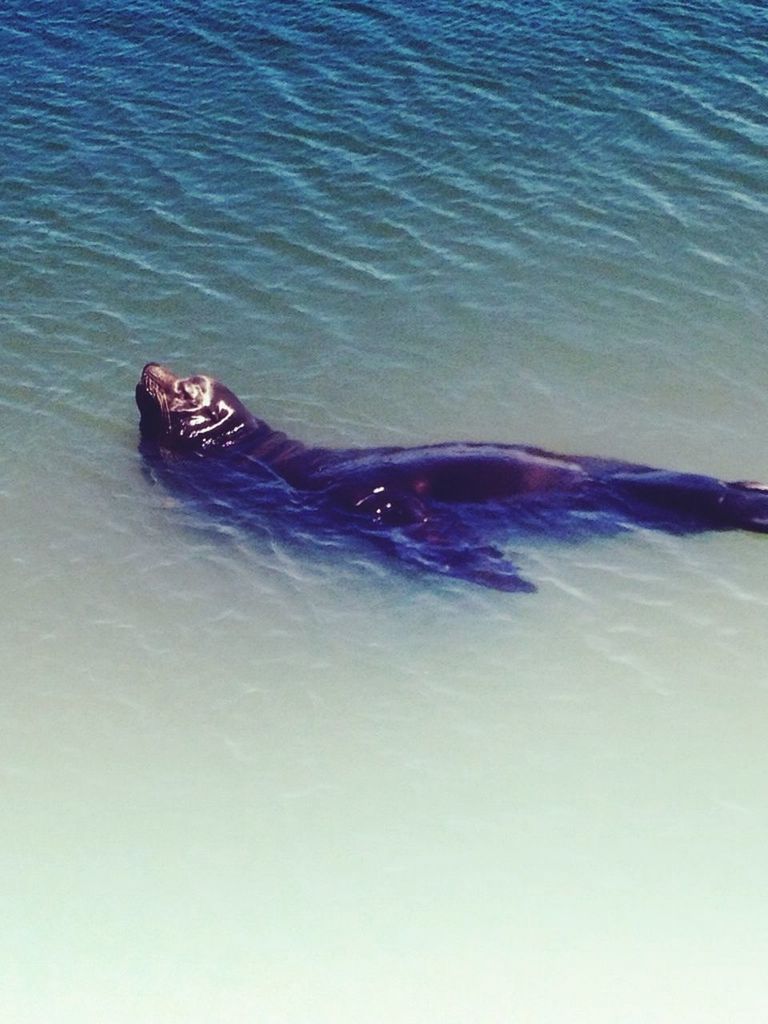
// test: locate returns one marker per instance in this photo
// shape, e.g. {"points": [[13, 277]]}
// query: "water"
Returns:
{"points": [[253, 778]]}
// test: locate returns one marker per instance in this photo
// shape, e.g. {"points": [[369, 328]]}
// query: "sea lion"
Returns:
{"points": [[430, 505]]}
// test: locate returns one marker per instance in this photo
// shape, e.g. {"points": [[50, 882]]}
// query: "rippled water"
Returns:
{"points": [[252, 777]]}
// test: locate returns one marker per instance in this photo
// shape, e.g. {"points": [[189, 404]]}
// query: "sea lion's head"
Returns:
{"points": [[189, 414]]}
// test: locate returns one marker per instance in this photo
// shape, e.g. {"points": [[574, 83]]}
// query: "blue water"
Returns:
{"points": [[247, 778]]}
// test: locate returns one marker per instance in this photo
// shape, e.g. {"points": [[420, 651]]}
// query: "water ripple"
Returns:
{"points": [[375, 194]]}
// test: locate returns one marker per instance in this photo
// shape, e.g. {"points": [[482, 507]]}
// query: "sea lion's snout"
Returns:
{"points": [[155, 375], [152, 393]]}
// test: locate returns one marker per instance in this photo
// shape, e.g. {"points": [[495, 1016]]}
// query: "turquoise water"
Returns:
{"points": [[249, 777]]}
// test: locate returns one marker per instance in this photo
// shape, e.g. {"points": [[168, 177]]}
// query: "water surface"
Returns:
{"points": [[253, 777]]}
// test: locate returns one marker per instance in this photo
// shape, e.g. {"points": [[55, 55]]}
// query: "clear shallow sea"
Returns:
{"points": [[248, 779]]}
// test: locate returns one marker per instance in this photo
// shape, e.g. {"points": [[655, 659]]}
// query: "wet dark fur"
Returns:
{"points": [[439, 507]]}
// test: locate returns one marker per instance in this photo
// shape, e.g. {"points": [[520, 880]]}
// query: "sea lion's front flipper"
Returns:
{"points": [[462, 558], [400, 523]]}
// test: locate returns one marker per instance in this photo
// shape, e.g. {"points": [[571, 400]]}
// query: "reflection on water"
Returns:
{"points": [[255, 777]]}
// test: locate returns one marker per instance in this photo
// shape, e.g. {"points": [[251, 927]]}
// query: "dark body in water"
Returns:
{"points": [[433, 506]]}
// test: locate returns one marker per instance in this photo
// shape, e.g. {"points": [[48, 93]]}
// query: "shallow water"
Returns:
{"points": [[249, 776]]}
